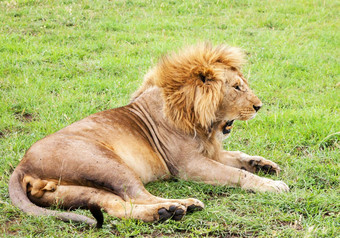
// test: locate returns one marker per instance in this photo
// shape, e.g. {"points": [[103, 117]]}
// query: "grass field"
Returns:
{"points": [[63, 60]]}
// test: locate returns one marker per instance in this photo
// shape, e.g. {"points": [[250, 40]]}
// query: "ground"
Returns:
{"points": [[63, 60]]}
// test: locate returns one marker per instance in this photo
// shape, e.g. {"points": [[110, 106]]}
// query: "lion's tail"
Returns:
{"points": [[19, 198]]}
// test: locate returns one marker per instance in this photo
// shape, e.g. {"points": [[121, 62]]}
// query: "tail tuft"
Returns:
{"points": [[97, 214]]}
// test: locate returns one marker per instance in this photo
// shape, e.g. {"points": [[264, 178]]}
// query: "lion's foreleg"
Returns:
{"points": [[213, 172], [250, 163]]}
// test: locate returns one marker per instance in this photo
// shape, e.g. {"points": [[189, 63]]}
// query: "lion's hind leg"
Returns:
{"points": [[97, 166], [72, 196]]}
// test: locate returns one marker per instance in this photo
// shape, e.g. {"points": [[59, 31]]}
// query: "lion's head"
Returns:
{"points": [[202, 86]]}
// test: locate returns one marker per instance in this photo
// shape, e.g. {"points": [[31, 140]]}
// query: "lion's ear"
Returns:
{"points": [[202, 77], [202, 73]]}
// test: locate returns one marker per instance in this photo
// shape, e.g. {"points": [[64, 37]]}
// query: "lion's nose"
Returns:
{"points": [[256, 107]]}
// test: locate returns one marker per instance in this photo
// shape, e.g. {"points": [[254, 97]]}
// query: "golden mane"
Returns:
{"points": [[191, 86]]}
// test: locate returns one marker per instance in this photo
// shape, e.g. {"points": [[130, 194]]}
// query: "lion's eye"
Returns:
{"points": [[237, 88]]}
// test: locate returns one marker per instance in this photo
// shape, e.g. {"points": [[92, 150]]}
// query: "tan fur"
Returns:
{"points": [[174, 126]]}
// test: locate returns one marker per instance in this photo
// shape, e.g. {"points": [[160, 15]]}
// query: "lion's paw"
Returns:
{"points": [[258, 163], [268, 185], [174, 211]]}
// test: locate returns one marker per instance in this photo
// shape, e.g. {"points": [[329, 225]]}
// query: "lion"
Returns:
{"points": [[173, 127]]}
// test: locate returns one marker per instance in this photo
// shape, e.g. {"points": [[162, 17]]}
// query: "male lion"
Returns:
{"points": [[173, 126]]}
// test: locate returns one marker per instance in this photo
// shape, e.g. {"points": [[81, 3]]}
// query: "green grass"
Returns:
{"points": [[63, 60]]}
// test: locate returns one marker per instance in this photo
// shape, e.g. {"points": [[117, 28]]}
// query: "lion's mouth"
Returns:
{"points": [[227, 127]]}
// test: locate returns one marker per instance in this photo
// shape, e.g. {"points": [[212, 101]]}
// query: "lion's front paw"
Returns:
{"points": [[274, 186], [267, 185], [257, 163]]}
